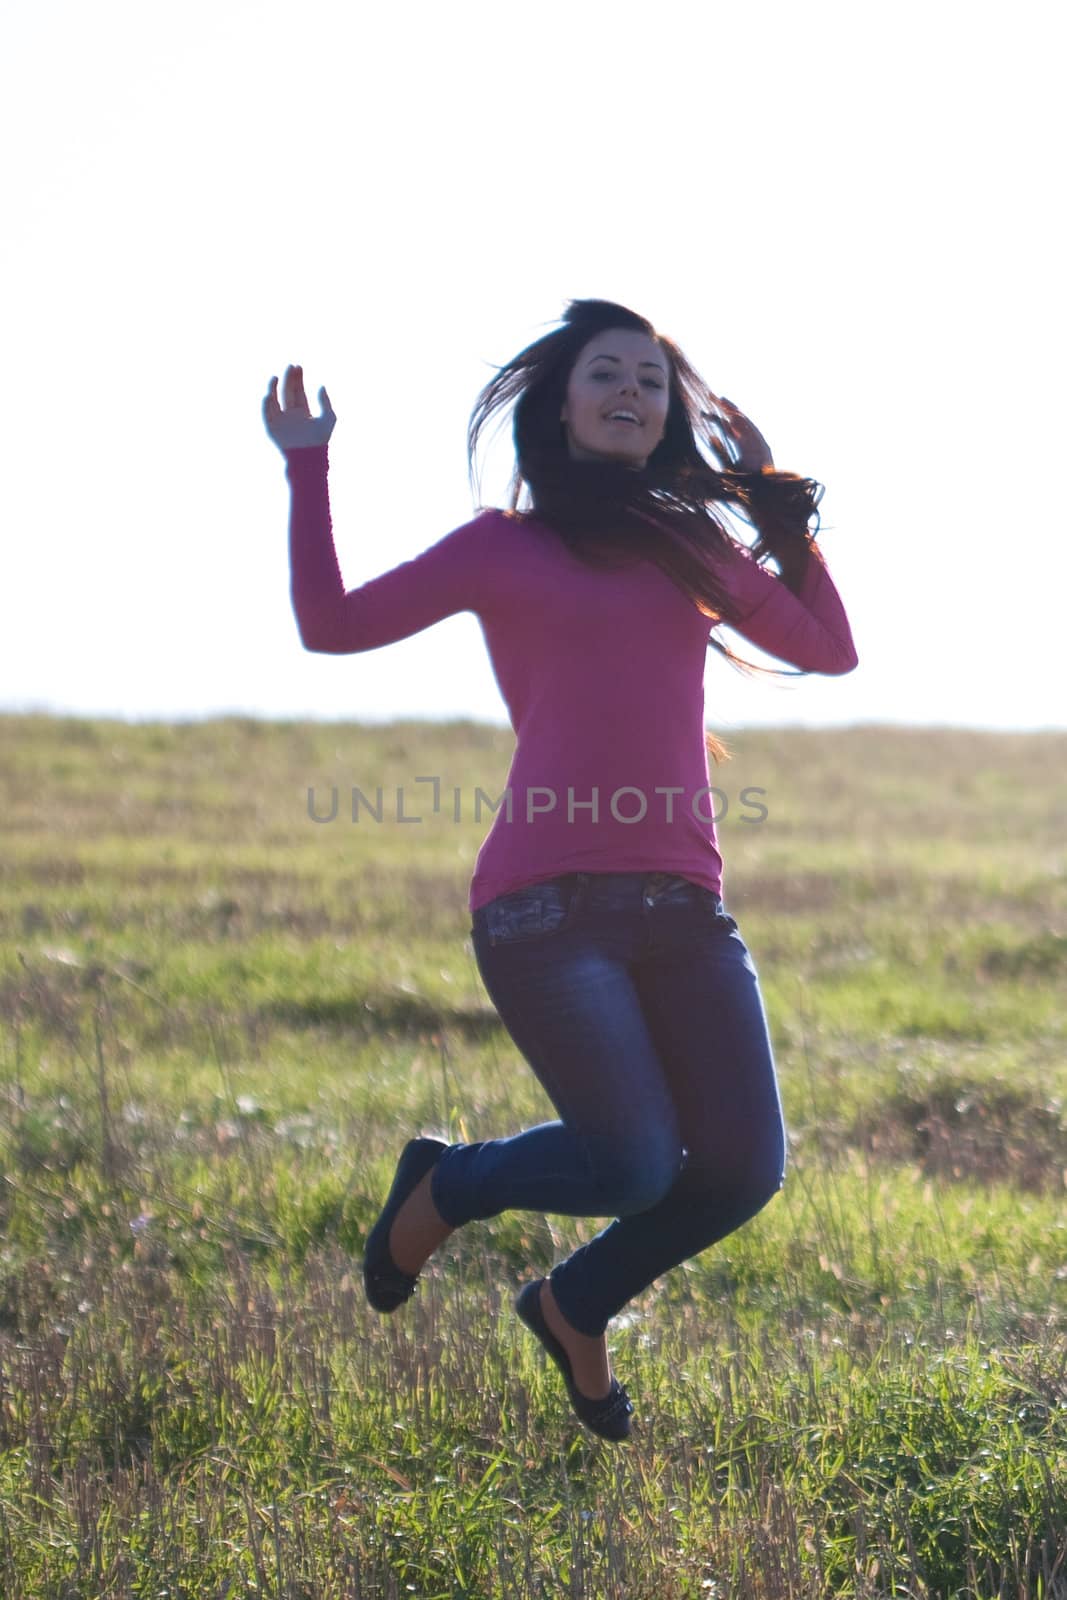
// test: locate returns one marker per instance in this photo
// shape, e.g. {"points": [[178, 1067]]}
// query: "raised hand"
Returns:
{"points": [[294, 428], [745, 448]]}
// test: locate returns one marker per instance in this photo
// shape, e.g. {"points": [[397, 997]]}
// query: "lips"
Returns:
{"points": [[630, 421]]}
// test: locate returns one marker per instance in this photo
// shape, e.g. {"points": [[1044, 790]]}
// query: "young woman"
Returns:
{"points": [[598, 922]]}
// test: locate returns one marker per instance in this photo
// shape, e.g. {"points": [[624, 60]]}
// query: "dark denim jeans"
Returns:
{"points": [[634, 999]]}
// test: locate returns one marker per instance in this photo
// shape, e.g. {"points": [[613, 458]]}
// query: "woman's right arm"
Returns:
{"points": [[443, 580]]}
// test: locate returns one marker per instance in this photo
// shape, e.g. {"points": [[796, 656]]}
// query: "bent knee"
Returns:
{"points": [[743, 1190], [633, 1179], [763, 1174], [761, 1182]]}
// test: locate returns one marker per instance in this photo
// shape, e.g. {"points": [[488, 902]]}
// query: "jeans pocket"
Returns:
{"points": [[718, 913], [533, 912], [670, 889]]}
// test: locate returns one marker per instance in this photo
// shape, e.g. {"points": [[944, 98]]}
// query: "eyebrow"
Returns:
{"points": [[658, 365]]}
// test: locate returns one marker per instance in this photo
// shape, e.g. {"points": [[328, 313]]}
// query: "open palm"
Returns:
{"points": [[293, 427]]}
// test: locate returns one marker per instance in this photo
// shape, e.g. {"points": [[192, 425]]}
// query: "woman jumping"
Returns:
{"points": [[597, 916]]}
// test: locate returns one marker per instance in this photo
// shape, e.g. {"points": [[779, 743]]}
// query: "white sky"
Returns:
{"points": [[846, 215]]}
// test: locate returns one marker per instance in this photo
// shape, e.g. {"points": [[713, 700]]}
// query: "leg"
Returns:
{"points": [[700, 995], [573, 1010], [576, 1016], [575, 1013], [558, 1166]]}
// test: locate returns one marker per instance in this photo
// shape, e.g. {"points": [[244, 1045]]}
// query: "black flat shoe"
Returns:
{"points": [[609, 1417], [387, 1287]]}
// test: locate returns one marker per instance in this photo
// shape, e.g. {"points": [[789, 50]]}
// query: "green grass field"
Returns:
{"points": [[221, 1020]]}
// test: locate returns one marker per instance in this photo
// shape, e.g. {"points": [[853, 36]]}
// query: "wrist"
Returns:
{"points": [[794, 565]]}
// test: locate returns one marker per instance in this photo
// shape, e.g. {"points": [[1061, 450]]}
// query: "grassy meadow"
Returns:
{"points": [[219, 1022]]}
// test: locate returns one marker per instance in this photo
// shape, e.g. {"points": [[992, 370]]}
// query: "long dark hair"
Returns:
{"points": [[663, 512]]}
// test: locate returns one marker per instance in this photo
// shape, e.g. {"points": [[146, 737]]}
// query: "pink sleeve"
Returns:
{"points": [[441, 581], [808, 630]]}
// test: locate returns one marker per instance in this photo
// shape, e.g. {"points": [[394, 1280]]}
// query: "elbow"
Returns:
{"points": [[836, 663], [318, 644], [846, 662], [831, 660], [330, 647], [308, 638], [318, 633], [333, 641]]}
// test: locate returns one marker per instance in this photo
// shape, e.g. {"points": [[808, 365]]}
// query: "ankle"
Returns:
{"points": [[587, 1353], [418, 1229], [551, 1304]]}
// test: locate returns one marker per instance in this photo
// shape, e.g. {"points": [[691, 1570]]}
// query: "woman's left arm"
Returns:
{"points": [[797, 616], [809, 628]]}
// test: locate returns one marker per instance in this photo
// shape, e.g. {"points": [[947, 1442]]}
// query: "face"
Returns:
{"points": [[621, 370]]}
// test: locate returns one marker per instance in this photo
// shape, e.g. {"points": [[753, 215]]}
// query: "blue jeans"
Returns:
{"points": [[634, 999]]}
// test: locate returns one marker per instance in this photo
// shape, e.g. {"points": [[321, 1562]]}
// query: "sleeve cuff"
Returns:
{"points": [[307, 460]]}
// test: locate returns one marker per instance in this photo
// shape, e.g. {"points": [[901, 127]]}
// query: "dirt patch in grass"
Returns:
{"points": [[993, 1133], [1039, 958]]}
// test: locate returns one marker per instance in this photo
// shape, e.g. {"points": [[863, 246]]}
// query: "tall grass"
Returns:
{"points": [[221, 1021]]}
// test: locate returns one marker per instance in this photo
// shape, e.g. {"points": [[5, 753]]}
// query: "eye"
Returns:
{"points": [[651, 383]]}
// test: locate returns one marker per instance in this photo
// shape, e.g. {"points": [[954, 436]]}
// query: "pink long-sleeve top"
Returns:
{"points": [[602, 673]]}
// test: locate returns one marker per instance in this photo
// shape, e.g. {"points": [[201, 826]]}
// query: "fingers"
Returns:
{"points": [[722, 426], [295, 398], [293, 389]]}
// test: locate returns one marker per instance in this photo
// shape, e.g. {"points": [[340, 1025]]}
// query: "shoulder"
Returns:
{"points": [[506, 518], [496, 522]]}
